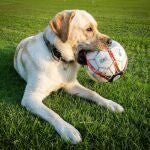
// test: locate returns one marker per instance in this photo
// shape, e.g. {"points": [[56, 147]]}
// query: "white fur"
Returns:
{"points": [[43, 74]]}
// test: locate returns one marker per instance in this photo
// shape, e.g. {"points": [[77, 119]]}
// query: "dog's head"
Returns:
{"points": [[77, 31]]}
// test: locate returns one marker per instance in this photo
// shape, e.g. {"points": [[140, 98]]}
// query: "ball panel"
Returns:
{"points": [[103, 59], [91, 55], [119, 54]]}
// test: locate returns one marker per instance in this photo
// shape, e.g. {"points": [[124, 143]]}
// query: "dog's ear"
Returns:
{"points": [[60, 24]]}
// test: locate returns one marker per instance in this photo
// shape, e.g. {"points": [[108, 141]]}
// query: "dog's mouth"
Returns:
{"points": [[81, 57]]}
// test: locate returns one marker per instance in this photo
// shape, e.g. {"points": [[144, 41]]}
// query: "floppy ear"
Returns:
{"points": [[60, 24]]}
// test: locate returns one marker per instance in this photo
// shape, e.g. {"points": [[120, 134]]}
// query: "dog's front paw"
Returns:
{"points": [[69, 133], [114, 106]]}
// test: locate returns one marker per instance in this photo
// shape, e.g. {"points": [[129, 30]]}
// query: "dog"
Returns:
{"points": [[50, 60]]}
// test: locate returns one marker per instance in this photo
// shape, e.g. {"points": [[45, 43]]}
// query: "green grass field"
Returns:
{"points": [[125, 21]]}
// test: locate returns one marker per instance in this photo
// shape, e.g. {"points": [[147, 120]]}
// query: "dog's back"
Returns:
{"points": [[18, 57], [23, 48]]}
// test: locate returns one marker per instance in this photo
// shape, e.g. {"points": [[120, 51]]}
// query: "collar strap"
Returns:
{"points": [[54, 51]]}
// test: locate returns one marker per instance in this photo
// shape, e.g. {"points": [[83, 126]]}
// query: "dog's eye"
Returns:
{"points": [[89, 29]]}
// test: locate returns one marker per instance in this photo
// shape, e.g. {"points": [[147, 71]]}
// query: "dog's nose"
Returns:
{"points": [[109, 41]]}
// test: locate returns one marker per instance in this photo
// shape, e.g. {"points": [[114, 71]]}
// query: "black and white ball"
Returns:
{"points": [[108, 65]]}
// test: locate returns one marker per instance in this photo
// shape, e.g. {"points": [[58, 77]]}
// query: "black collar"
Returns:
{"points": [[55, 52]]}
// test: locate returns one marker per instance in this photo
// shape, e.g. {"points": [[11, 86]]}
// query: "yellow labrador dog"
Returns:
{"points": [[49, 61]]}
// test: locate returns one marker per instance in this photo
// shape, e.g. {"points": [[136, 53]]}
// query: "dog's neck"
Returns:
{"points": [[64, 48], [51, 47], [54, 51]]}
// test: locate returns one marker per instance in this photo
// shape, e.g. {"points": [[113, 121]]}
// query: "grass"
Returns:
{"points": [[125, 21]]}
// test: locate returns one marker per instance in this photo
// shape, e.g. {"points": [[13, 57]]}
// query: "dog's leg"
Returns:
{"points": [[35, 92], [78, 89]]}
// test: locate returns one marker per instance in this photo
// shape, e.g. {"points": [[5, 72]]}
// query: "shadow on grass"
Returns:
{"points": [[11, 85]]}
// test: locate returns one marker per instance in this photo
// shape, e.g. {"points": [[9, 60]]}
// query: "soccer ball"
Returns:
{"points": [[108, 65]]}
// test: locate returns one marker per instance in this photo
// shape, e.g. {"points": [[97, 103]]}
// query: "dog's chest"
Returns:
{"points": [[68, 72], [60, 73]]}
